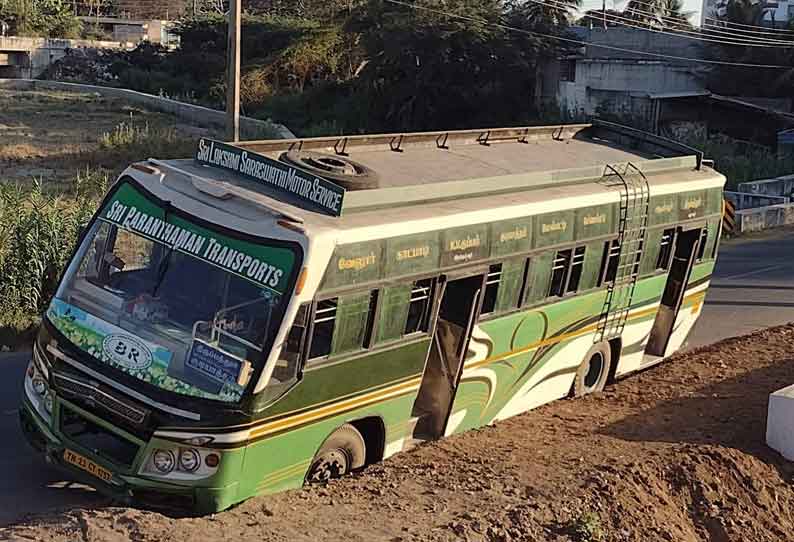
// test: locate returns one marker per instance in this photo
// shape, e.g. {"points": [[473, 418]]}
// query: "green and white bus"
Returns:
{"points": [[271, 313]]}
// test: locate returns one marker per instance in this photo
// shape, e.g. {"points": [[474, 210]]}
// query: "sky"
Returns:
{"points": [[689, 5]]}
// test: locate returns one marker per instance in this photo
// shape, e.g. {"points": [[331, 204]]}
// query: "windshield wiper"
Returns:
{"points": [[166, 262]]}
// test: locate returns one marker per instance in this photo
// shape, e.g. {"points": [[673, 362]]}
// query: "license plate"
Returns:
{"points": [[87, 465]]}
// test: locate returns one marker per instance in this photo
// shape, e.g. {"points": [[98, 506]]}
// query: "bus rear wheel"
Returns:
{"points": [[343, 451], [593, 373]]}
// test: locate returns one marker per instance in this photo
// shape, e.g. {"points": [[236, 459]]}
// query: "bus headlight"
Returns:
{"points": [[182, 463], [164, 461], [39, 385], [189, 459], [48, 402]]}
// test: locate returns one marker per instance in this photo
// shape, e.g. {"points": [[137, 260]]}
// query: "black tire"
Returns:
{"points": [[342, 452], [339, 169], [593, 373]]}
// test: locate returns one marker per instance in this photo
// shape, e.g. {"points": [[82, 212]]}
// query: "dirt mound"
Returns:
{"points": [[675, 453]]}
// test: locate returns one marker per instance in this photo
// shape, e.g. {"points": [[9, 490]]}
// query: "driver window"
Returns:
{"points": [[289, 359]]}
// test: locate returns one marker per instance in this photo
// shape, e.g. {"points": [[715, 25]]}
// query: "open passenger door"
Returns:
{"points": [[457, 314], [686, 247]]}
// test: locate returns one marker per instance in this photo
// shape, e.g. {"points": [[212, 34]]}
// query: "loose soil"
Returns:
{"points": [[52, 135], [674, 453]]}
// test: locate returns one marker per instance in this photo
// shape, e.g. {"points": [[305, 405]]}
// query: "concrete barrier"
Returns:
{"points": [[780, 422], [193, 114], [762, 218]]}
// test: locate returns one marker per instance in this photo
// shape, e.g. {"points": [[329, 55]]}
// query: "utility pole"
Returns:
{"points": [[604, 12], [233, 74]]}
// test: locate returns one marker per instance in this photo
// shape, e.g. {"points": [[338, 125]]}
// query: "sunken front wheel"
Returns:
{"points": [[343, 451], [593, 373]]}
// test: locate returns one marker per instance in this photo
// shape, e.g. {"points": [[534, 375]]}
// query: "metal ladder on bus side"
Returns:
{"points": [[632, 226]]}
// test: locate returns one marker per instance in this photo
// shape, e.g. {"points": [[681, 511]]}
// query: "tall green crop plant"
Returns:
{"points": [[37, 234]]}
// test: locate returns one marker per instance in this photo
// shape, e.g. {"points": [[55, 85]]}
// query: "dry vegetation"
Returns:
{"points": [[53, 135]]}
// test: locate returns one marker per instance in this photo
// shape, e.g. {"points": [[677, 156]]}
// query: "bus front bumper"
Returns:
{"points": [[127, 489]]}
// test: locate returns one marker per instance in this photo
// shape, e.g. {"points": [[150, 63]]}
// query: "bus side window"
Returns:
{"points": [[566, 271], [511, 283], [355, 320], [323, 328], [491, 288], [609, 262], [577, 264], [559, 273], [665, 250], [503, 286], [536, 286], [704, 237], [419, 307]]}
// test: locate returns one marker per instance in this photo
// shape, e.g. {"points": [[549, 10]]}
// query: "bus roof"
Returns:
{"points": [[426, 174]]}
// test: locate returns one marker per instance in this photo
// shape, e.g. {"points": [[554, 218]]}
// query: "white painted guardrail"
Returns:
{"points": [[763, 204]]}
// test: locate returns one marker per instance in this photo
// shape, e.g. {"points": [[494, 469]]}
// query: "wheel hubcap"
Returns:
{"points": [[332, 464]]}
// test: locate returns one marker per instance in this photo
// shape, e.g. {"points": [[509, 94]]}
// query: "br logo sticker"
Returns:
{"points": [[127, 351]]}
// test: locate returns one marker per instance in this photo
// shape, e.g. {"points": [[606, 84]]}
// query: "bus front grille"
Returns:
{"points": [[83, 392], [96, 438]]}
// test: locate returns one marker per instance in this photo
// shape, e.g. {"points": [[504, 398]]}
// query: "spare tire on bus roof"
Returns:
{"points": [[345, 172]]}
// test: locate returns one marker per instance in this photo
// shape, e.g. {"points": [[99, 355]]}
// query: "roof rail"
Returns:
{"points": [[646, 141], [397, 142]]}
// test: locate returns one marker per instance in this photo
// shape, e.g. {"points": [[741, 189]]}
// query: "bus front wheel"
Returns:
{"points": [[593, 373], [343, 451]]}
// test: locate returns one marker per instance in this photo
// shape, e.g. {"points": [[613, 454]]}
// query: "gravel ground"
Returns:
{"points": [[674, 453]]}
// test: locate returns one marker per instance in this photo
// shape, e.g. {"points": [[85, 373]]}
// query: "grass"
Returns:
{"points": [[741, 162], [586, 528]]}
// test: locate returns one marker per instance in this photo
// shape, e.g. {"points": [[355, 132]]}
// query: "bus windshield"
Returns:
{"points": [[172, 303]]}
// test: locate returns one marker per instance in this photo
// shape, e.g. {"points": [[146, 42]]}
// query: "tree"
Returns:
{"points": [[433, 70], [750, 81], [598, 18], [661, 14], [44, 18]]}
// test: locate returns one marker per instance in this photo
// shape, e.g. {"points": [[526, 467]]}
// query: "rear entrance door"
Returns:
{"points": [[686, 246]]}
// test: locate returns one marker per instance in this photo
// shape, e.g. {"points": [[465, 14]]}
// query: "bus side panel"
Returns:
{"points": [[527, 359], [523, 360], [383, 383]]}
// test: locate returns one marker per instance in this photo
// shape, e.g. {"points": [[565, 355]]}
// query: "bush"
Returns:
{"points": [[130, 142]]}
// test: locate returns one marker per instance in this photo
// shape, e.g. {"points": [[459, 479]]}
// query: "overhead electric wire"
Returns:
{"points": [[767, 28], [764, 30], [731, 26], [709, 27], [554, 4], [711, 35], [584, 43]]}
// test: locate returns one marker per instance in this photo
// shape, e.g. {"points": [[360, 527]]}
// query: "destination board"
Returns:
{"points": [[312, 192]]}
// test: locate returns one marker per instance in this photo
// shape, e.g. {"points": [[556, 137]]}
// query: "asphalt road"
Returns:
{"points": [[752, 288], [27, 483]]}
